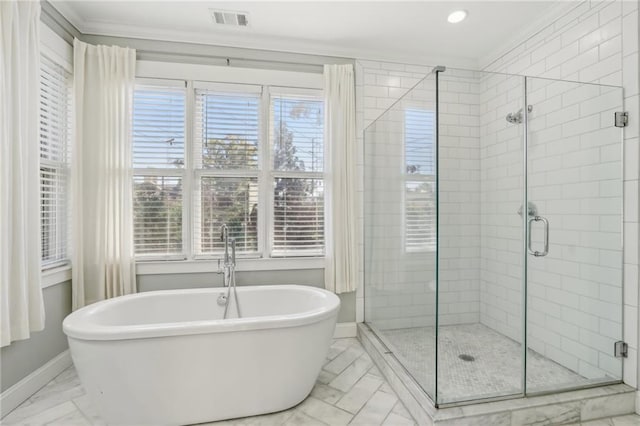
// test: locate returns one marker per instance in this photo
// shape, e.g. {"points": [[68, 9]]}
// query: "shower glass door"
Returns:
{"points": [[480, 237], [574, 261]]}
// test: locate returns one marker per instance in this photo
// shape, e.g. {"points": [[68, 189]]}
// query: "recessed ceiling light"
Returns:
{"points": [[457, 16]]}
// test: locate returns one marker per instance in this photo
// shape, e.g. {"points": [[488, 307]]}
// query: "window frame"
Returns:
{"points": [[194, 76], [56, 51], [198, 173], [417, 177], [167, 172], [273, 173]]}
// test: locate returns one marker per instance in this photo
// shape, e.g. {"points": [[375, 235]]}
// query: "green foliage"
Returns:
{"points": [[233, 200]]}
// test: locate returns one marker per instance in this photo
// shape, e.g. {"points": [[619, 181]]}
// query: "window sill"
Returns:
{"points": [[55, 276], [243, 265]]}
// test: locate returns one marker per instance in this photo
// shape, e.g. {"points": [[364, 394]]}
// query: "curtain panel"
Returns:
{"points": [[103, 257], [21, 303], [341, 206]]}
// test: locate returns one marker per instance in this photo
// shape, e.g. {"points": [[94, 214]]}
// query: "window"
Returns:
{"points": [[252, 159], [298, 193], [158, 169], [419, 197], [227, 136], [55, 107]]}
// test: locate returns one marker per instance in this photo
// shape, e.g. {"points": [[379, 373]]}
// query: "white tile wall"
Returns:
{"points": [[402, 293], [401, 290], [574, 314], [597, 41]]}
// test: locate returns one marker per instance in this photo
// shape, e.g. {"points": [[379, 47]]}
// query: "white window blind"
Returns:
{"points": [[159, 162], [297, 143], [227, 151], [55, 107], [419, 191], [419, 142], [253, 161]]}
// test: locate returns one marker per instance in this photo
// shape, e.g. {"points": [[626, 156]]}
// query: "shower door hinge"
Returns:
{"points": [[620, 349], [622, 118]]}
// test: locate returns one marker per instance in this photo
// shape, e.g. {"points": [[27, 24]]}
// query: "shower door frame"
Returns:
{"points": [[524, 245], [525, 238]]}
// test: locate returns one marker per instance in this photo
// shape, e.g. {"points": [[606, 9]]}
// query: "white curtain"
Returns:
{"points": [[103, 264], [342, 243], [21, 295]]}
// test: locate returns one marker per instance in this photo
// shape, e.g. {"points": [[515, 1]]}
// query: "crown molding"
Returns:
{"points": [[65, 9], [561, 8], [276, 44], [236, 40]]}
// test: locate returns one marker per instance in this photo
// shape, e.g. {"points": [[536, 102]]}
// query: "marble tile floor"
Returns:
{"points": [[495, 369], [630, 420], [349, 390]]}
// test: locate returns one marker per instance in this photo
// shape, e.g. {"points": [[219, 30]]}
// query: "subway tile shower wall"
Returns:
{"points": [[575, 303], [572, 302]]}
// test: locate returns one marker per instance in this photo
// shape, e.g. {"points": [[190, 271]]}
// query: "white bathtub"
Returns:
{"points": [[166, 357]]}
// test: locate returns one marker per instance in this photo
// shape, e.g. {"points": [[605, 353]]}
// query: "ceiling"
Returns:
{"points": [[414, 32]]}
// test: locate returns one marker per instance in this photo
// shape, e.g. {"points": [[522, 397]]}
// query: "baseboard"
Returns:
{"points": [[26, 387], [345, 329]]}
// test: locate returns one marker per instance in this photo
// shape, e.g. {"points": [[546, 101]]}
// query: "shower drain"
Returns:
{"points": [[466, 357]]}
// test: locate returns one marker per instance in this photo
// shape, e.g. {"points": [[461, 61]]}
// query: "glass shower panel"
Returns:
{"points": [[400, 230], [480, 235], [574, 266]]}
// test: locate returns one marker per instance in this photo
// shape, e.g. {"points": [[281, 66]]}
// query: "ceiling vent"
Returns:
{"points": [[228, 17]]}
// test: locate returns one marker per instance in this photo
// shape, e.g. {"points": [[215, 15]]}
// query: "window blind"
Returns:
{"points": [[158, 161], [227, 135], [298, 217], [297, 141], [230, 201], [298, 134], [420, 216], [419, 197], [227, 129], [254, 162], [55, 107], [419, 141]]}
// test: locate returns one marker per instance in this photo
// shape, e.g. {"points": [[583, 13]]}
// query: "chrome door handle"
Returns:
{"points": [[546, 236]]}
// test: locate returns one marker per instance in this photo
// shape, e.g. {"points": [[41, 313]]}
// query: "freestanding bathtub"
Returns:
{"points": [[167, 357]]}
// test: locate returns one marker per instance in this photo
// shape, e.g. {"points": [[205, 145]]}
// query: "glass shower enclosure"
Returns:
{"points": [[493, 234]]}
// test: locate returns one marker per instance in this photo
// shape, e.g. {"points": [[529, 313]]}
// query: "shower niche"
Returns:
{"points": [[477, 297]]}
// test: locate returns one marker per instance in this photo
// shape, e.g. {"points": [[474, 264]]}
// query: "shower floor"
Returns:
{"points": [[496, 369]]}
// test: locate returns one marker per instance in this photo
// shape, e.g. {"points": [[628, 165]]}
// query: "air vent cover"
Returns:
{"points": [[229, 17]]}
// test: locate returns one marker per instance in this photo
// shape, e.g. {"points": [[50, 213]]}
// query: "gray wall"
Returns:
{"points": [[311, 277], [23, 357]]}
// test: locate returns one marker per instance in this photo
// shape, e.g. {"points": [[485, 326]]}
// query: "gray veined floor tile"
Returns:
{"points": [[326, 393], [350, 375], [631, 420], [75, 418], [359, 394], [394, 419], [39, 403], [376, 410], [369, 401], [325, 377], [46, 416], [89, 411], [401, 410], [324, 412], [67, 375], [599, 422], [342, 361], [301, 419]]}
